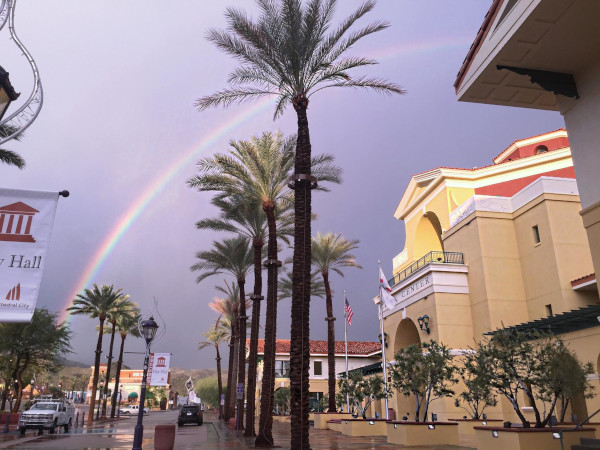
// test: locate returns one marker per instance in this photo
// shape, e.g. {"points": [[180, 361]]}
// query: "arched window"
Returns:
{"points": [[541, 149]]}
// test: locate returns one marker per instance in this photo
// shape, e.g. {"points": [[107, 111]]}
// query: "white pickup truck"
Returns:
{"points": [[49, 415], [132, 409]]}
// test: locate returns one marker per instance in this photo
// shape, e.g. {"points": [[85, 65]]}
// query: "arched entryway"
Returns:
{"points": [[407, 334], [428, 236]]}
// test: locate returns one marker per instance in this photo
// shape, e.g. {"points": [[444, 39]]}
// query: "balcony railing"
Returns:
{"points": [[431, 257]]}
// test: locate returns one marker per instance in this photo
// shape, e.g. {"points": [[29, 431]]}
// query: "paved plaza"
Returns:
{"points": [[211, 435]]}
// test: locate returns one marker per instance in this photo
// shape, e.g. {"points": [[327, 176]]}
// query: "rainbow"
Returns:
{"points": [[157, 185], [152, 190]]}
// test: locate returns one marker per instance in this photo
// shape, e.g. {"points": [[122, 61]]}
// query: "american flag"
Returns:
{"points": [[349, 312]]}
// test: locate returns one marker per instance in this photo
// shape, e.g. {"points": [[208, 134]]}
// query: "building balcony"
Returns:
{"points": [[436, 257], [435, 273]]}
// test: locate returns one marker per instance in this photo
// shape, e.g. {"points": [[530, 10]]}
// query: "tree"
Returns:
{"points": [[424, 372], [290, 52], [38, 345], [235, 257], [285, 288], [331, 252], [215, 336], [127, 324], [282, 400], [228, 306], [119, 308], [209, 390], [246, 217], [360, 390], [256, 171], [538, 365], [475, 374], [97, 303], [7, 156]]}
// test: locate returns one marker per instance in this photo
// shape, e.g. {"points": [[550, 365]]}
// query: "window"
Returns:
{"points": [[536, 234], [282, 369], [541, 149], [549, 311], [318, 368], [316, 402]]}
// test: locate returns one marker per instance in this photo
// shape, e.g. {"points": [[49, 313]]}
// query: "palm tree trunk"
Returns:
{"points": [[265, 428], [90, 418], [230, 372], [241, 351], [234, 369], [114, 402], [253, 356], [219, 382], [330, 343], [108, 367], [299, 347]]}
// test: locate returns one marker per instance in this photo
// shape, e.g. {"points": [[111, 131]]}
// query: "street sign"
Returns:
{"points": [[240, 391], [222, 399]]}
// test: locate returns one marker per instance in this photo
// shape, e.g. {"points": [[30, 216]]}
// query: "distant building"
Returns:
{"points": [[501, 245], [359, 354]]}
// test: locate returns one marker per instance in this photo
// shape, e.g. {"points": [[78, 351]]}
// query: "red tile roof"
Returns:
{"points": [[320, 347], [481, 34], [582, 280]]}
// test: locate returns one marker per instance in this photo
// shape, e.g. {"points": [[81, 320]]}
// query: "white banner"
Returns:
{"points": [[26, 219], [158, 369]]}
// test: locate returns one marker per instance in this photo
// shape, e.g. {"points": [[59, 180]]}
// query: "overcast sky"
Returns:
{"points": [[118, 130]]}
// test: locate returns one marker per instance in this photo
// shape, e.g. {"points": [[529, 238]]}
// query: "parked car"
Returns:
{"points": [[49, 415], [133, 409], [190, 414]]}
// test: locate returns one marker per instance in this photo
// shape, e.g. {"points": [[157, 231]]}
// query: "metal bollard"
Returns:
{"points": [[7, 422], [77, 420], [82, 419]]}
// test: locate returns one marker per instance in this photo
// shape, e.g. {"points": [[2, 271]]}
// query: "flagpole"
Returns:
{"points": [[346, 348], [385, 387]]}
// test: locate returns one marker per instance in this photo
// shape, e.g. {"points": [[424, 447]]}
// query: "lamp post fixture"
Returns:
{"points": [[119, 401], [424, 323], [149, 328]]}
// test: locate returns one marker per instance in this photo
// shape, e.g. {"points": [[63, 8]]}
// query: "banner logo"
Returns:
{"points": [[15, 222], [14, 293]]}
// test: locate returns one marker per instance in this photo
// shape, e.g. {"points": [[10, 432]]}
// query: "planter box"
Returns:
{"points": [[595, 425], [465, 426], [13, 420], [321, 419], [422, 433], [498, 438], [363, 427], [164, 437], [335, 425]]}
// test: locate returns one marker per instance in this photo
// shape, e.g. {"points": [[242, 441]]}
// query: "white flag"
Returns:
{"points": [[385, 291], [26, 220], [158, 369]]}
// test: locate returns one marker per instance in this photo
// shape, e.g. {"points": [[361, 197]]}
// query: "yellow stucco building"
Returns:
{"points": [[490, 247]]}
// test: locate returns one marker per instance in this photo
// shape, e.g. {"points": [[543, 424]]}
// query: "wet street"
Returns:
{"points": [[211, 435]]}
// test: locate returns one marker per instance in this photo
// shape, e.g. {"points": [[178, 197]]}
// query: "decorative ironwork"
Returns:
{"points": [[556, 82], [434, 257]]}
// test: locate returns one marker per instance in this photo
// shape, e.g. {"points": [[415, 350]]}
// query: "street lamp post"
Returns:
{"points": [[149, 328]]}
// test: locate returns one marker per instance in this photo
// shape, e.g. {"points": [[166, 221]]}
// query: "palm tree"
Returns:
{"points": [[121, 307], [7, 156], [96, 303], [257, 170], [235, 257], [317, 288], [247, 218], [331, 252], [127, 325], [215, 336], [290, 52], [228, 307]]}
